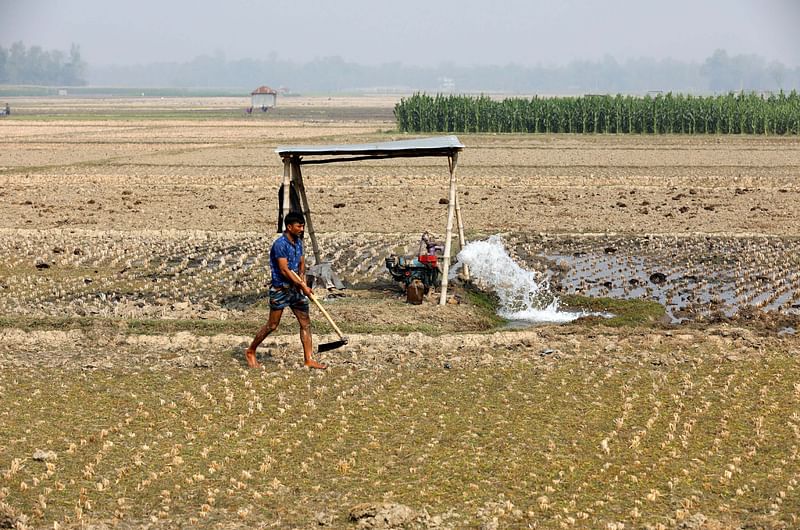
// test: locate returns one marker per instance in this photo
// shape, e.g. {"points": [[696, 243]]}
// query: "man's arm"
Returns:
{"points": [[283, 266]]}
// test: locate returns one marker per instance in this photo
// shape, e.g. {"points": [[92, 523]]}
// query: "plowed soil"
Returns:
{"points": [[133, 260]]}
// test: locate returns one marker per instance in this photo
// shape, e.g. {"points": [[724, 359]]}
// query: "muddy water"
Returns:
{"points": [[690, 276]]}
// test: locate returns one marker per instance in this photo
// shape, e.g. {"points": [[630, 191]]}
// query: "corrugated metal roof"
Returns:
{"points": [[433, 146], [263, 90]]}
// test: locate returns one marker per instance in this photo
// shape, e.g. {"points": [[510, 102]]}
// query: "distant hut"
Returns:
{"points": [[263, 98]]}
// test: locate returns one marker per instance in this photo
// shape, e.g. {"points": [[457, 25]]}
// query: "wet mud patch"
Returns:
{"points": [[693, 277]]}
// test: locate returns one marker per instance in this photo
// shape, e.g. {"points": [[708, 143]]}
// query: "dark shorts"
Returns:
{"points": [[287, 297]]}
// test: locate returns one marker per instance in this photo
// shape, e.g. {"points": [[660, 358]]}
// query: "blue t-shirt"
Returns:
{"points": [[284, 248]]}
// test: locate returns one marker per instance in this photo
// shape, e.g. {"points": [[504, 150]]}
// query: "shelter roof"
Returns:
{"points": [[432, 146], [263, 90]]}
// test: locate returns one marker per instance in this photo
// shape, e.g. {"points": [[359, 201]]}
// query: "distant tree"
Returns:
{"points": [[777, 73], [35, 66], [3, 65], [16, 62], [74, 71], [741, 73]]}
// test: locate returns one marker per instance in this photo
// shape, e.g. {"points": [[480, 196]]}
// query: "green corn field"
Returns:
{"points": [[663, 114]]}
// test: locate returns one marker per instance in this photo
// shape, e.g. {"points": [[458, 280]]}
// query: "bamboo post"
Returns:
{"points": [[451, 206], [285, 205], [297, 177], [462, 241]]}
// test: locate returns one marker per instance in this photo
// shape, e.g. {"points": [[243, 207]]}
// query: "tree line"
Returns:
{"points": [[663, 114], [720, 72], [20, 65]]}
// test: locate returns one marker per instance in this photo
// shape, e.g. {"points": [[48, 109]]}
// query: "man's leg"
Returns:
{"points": [[266, 329], [305, 337]]}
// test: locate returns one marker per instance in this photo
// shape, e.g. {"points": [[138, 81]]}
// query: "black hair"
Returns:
{"points": [[294, 217]]}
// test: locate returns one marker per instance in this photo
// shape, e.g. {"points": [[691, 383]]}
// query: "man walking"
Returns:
{"points": [[287, 290]]}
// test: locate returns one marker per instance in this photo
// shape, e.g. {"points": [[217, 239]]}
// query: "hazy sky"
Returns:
{"points": [[414, 32]]}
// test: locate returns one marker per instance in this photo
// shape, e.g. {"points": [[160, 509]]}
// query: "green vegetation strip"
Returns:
{"points": [[624, 312], [581, 442], [663, 114], [487, 304]]}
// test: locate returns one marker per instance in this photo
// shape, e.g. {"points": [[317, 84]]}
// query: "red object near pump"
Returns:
{"points": [[429, 259]]}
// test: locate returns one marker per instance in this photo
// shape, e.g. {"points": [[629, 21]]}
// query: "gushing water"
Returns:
{"points": [[522, 295]]}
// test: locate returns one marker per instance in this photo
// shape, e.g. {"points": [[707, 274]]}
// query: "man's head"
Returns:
{"points": [[295, 223]]}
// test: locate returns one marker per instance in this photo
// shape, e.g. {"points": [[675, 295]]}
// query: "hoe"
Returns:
{"points": [[329, 345]]}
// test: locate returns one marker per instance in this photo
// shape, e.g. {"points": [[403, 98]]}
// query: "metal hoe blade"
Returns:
{"points": [[328, 346]]}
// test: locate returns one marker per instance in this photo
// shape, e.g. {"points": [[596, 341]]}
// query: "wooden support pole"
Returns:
{"points": [[451, 206], [297, 178], [462, 241], [285, 203]]}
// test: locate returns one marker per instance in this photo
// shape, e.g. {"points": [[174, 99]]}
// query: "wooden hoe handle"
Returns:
{"points": [[324, 312]]}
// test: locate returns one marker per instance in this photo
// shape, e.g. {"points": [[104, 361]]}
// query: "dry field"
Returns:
{"points": [[133, 242]]}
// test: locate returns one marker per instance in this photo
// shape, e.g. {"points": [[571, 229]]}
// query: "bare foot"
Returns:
{"points": [[311, 363], [250, 357]]}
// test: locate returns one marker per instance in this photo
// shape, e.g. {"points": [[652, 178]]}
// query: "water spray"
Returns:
{"points": [[523, 294]]}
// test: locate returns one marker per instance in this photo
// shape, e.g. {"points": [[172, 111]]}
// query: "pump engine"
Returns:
{"points": [[418, 274]]}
